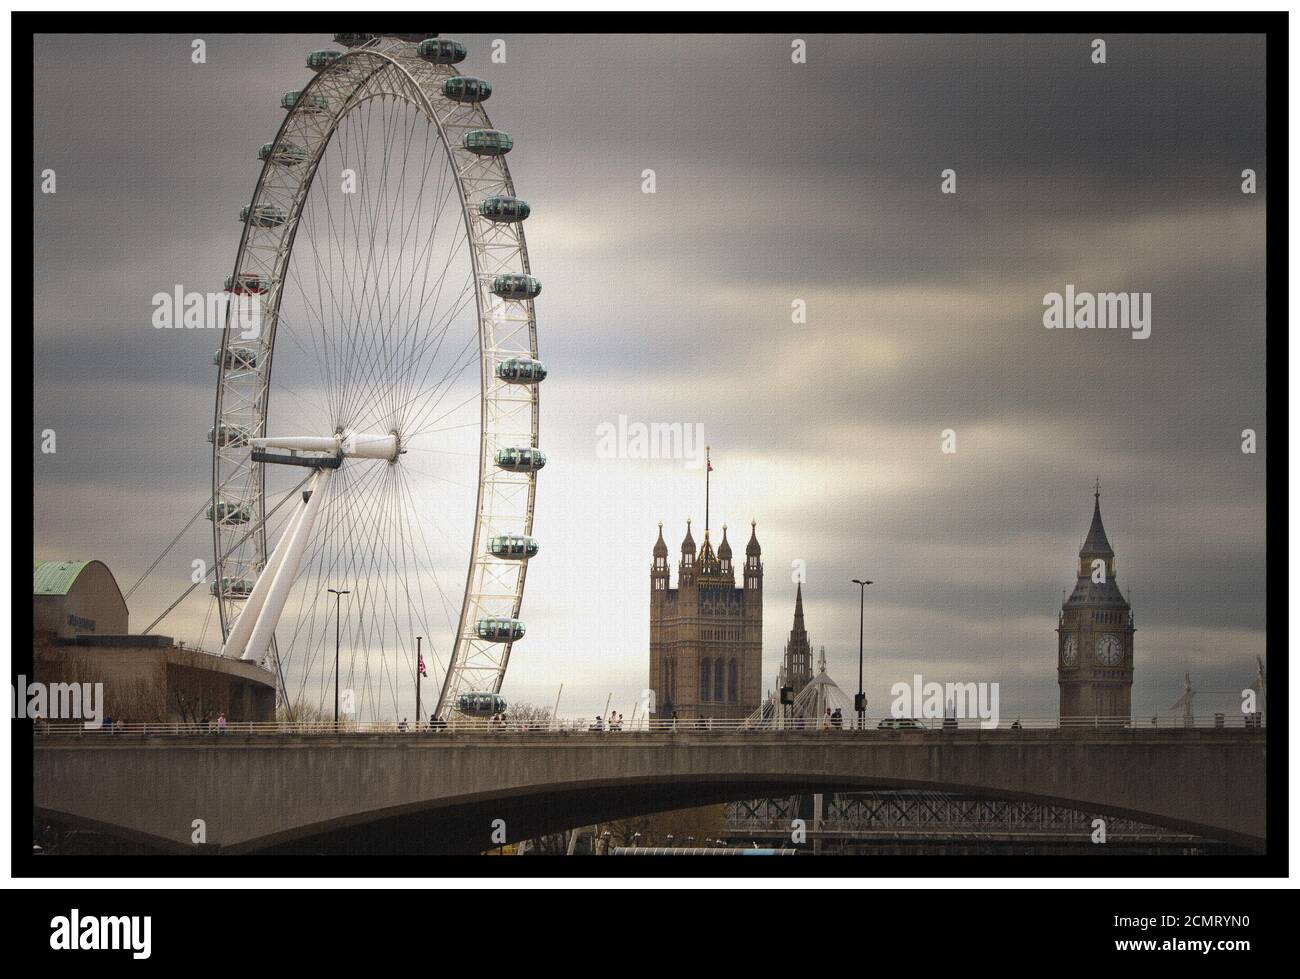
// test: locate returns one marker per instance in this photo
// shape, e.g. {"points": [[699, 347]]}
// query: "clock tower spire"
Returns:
{"points": [[1095, 634]]}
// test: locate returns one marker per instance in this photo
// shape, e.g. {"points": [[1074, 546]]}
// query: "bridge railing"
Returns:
{"points": [[830, 726]]}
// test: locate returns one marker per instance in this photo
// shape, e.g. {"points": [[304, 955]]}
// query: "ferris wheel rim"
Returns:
{"points": [[373, 62]]}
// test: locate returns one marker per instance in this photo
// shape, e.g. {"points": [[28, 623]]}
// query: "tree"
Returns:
{"points": [[302, 712], [530, 714]]}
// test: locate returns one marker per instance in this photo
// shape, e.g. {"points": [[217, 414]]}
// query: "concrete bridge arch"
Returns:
{"points": [[431, 793]]}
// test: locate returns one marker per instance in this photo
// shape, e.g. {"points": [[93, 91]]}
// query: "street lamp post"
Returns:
{"points": [[338, 598], [860, 701]]}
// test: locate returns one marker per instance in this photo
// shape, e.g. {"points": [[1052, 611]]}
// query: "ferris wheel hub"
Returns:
{"points": [[346, 444], [370, 445]]}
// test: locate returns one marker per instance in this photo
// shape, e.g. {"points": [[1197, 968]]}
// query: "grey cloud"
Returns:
{"points": [[775, 181]]}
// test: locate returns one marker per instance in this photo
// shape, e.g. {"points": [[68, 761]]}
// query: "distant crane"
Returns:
{"points": [[1260, 686], [1185, 701]]}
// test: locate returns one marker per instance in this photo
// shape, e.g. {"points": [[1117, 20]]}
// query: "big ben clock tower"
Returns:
{"points": [[1094, 656]]}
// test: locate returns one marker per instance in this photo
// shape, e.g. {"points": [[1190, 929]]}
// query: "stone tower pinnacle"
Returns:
{"points": [[797, 664]]}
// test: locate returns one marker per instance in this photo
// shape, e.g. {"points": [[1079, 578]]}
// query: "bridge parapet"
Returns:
{"points": [[255, 791]]}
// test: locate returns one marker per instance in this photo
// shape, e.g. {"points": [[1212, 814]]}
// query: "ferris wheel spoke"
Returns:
{"points": [[314, 405], [410, 528], [356, 522], [415, 316], [376, 324], [426, 358], [317, 576], [424, 423], [354, 137], [342, 285], [440, 326], [401, 559], [437, 478], [403, 407], [406, 218], [325, 356], [368, 355], [339, 285], [447, 452], [389, 383], [410, 324], [384, 602], [452, 612], [361, 628], [442, 387]]}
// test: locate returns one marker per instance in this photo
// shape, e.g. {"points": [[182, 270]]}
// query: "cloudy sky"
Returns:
{"points": [[775, 182]]}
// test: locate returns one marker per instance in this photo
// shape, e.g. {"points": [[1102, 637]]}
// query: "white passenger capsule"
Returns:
{"points": [[513, 547], [521, 460], [499, 629], [521, 370], [479, 704]]}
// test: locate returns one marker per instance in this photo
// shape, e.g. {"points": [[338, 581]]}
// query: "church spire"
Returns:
{"points": [[798, 651]]}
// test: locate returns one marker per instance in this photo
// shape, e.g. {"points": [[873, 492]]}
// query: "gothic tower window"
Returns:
{"points": [[733, 693], [704, 681], [718, 686]]}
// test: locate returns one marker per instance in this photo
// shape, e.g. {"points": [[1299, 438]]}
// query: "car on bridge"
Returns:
{"points": [[900, 724]]}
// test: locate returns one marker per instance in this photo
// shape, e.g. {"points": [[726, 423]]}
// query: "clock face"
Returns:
{"points": [[1069, 651], [1109, 651]]}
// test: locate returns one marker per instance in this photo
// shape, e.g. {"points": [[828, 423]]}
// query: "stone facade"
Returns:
{"points": [[149, 679], [706, 635]]}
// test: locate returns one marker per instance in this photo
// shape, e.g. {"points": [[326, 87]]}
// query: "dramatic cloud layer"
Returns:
{"points": [[775, 182]]}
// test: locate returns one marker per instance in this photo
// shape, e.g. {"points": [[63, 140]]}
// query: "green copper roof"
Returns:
{"points": [[56, 577]]}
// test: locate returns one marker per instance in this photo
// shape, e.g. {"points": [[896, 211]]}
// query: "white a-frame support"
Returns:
{"points": [[252, 632]]}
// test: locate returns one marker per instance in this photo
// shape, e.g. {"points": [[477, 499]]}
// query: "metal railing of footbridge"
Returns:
{"points": [[847, 725]]}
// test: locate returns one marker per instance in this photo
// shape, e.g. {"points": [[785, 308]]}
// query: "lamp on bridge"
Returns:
{"points": [[860, 701], [338, 597]]}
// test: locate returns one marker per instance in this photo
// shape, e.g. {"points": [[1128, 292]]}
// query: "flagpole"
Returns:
{"points": [[419, 663], [708, 468]]}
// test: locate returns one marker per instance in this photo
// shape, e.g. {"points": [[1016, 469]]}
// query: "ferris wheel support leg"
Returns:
{"points": [[269, 615], [237, 641]]}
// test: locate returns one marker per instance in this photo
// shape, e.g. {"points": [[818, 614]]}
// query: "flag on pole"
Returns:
{"points": [[423, 671]]}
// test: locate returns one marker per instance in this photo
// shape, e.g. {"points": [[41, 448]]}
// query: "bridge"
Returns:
{"points": [[449, 791], [912, 821]]}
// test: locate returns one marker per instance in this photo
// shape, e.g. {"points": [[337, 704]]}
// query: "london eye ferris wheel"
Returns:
{"points": [[377, 489]]}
